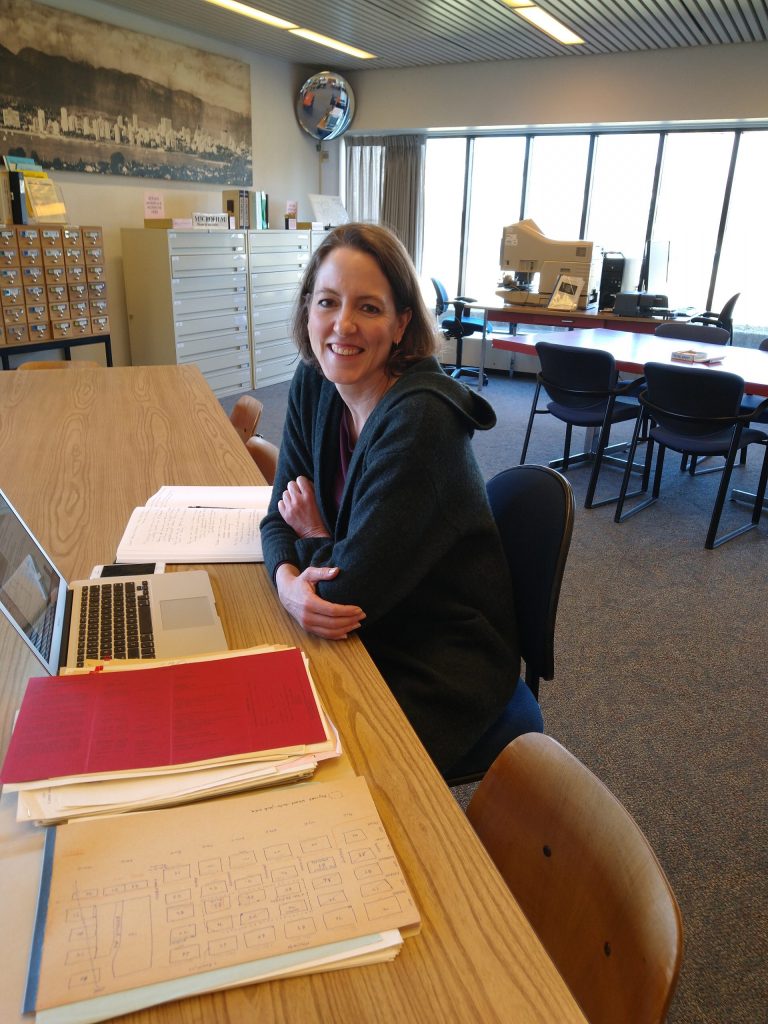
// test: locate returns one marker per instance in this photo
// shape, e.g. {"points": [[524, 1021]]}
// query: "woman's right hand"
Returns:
{"points": [[298, 595]]}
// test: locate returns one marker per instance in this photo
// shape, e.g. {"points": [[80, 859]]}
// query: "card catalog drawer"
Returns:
{"points": [[39, 332]]}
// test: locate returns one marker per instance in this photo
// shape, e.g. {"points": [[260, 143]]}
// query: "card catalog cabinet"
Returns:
{"points": [[187, 298], [276, 263]]}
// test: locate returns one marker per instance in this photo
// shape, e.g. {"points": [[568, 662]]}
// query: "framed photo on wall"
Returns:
{"points": [[84, 95]]}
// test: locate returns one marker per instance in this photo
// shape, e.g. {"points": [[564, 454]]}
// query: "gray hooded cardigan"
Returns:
{"points": [[415, 543]]}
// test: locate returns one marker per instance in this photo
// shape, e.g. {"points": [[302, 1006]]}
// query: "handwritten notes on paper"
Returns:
{"points": [[140, 900], [197, 524]]}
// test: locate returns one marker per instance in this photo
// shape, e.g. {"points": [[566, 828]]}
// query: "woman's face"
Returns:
{"points": [[352, 319]]}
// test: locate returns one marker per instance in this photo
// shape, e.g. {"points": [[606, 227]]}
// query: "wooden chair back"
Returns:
{"points": [[245, 415], [59, 364], [265, 455], [585, 877]]}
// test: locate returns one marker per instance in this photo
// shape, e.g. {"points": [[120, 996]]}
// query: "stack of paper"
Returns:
{"points": [[143, 909], [134, 738], [197, 524]]}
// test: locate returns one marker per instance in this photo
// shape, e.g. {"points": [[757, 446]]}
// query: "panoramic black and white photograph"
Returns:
{"points": [[81, 95]]}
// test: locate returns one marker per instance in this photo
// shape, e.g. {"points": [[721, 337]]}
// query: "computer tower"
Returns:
{"points": [[610, 279]]}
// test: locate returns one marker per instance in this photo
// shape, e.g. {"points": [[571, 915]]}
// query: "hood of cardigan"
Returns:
{"points": [[428, 375]]}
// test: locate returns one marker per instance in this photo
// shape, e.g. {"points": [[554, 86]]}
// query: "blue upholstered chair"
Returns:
{"points": [[696, 412], [457, 327], [584, 391], [533, 508]]}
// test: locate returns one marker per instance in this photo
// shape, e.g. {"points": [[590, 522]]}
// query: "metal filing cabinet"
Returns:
{"points": [[187, 299], [276, 263]]}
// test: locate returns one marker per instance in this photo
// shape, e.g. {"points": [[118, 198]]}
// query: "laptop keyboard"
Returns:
{"points": [[115, 622]]}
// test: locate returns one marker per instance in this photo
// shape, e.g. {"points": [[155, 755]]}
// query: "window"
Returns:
{"points": [[556, 177], [620, 198], [690, 201], [497, 182], [743, 258], [443, 204]]}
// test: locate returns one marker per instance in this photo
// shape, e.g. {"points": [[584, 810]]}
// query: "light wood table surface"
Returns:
{"points": [[78, 451]]}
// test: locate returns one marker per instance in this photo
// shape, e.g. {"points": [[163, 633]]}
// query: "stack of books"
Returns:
{"points": [[109, 740]]}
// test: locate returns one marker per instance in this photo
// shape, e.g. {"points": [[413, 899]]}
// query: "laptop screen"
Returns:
{"points": [[32, 590]]}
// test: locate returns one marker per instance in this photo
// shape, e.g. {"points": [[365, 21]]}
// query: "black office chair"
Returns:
{"points": [[750, 403], [533, 508], [722, 319], [685, 330], [457, 328], [584, 390], [696, 412]]}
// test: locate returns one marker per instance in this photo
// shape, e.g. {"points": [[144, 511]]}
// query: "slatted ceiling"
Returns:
{"points": [[412, 33]]}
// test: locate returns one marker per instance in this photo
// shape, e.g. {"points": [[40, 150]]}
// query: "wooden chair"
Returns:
{"points": [[264, 454], [245, 415], [585, 877], [60, 364]]}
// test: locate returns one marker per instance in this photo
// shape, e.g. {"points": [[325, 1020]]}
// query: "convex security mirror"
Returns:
{"points": [[325, 105]]}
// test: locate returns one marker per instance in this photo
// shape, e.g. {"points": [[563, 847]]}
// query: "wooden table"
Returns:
{"points": [[77, 452], [633, 351]]}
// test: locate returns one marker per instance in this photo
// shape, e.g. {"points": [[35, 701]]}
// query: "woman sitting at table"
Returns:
{"points": [[379, 518]]}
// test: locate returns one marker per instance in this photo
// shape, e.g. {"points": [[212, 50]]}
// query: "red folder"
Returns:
{"points": [[156, 717]]}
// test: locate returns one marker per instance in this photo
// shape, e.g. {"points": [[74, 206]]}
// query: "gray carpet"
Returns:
{"points": [[660, 664]]}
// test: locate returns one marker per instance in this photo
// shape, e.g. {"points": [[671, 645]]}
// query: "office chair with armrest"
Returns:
{"points": [[265, 455], [696, 412], [749, 403], [457, 328], [687, 331], [584, 390], [533, 509], [722, 319], [586, 878], [245, 415]]}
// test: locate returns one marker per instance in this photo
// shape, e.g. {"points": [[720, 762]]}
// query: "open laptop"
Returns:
{"points": [[167, 615]]}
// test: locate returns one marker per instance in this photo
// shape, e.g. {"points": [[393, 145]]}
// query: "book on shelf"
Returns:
{"points": [[113, 739], [692, 355], [197, 524], [146, 908]]}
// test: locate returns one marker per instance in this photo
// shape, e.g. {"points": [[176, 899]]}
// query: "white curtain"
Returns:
{"points": [[385, 185]]}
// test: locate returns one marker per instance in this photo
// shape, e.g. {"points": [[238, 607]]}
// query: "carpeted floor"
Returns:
{"points": [[659, 688]]}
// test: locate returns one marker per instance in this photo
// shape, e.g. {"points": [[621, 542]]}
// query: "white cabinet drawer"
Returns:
{"points": [[225, 359], [197, 263], [274, 350], [277, 241], [261, 315], [275, 297], [210, 303], [195, 325], [206, 241], [194, 284], [274, 370], [277, 332], [202, 344], [228, 382], [274, 278], [290, 259]]}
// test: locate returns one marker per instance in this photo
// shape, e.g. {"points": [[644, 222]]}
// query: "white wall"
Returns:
{"points": [[286, 163], [688, 84]]}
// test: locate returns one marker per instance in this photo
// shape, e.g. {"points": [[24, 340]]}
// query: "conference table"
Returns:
{"points": [[78, 451], [632, 351]]}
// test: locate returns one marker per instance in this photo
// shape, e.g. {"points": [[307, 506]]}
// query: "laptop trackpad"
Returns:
{"points": [[186, 612]]}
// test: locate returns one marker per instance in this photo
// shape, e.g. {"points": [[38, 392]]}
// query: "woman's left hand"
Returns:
{"points": [[298, 507]]}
